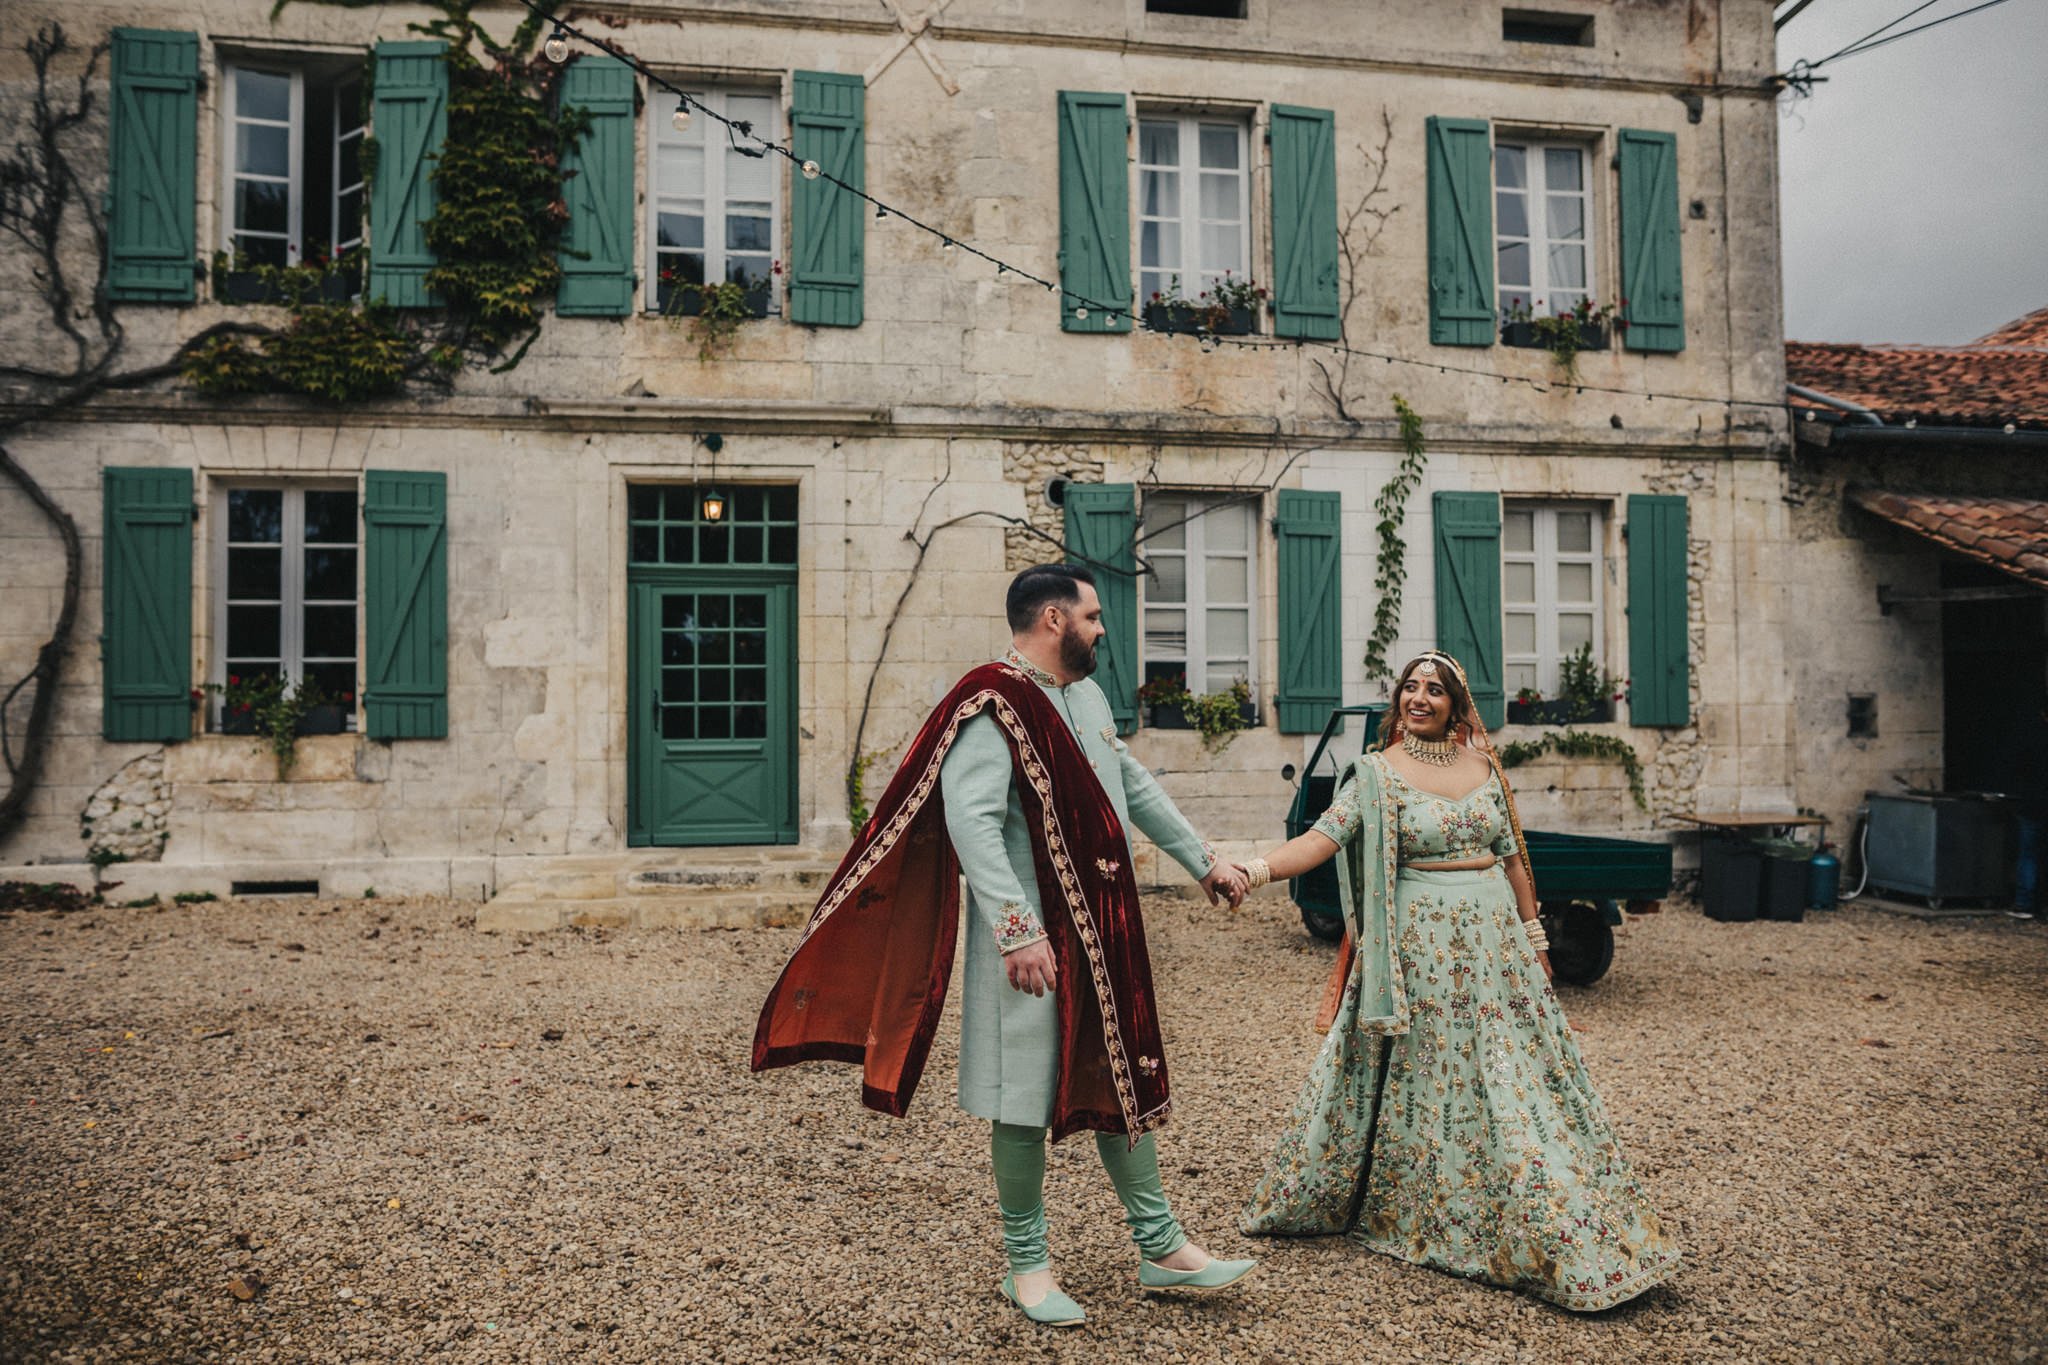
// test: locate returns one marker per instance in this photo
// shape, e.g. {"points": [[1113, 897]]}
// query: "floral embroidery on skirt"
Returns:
{"points": [[1484, 1148]]}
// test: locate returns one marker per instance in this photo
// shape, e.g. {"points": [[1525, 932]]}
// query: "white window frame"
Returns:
{"points": [[1189, 219], [295, 157], [1195, 605], [661, 108], [1543, 557], [296, 188], [1535, 161], [359, 188], [292, 604]]}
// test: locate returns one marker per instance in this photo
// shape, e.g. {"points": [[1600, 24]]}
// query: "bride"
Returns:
{"points": [[1448, 1119]]}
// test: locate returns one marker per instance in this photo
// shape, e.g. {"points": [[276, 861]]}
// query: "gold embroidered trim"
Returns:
{"points": [[1136, 1124]]}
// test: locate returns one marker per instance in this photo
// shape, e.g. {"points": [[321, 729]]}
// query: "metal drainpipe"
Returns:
{"points": [[1856, 410]]}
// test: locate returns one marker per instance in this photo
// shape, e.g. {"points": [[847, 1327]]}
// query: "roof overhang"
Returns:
{"points": [[2009, 534]]}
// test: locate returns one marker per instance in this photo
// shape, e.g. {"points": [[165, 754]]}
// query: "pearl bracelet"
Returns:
{"points": [[1539, 941], [1258, 873]]}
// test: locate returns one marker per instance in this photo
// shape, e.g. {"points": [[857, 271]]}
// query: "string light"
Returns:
{"points": [[681, 118], [557, 50]]}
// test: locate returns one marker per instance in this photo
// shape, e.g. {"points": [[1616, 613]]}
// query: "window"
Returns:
{"points": [[1541, 206], [1550, 590], [1192, 204], [285, 595], [291, 160], [713, 214], [1198, 589], [1538, 26]]}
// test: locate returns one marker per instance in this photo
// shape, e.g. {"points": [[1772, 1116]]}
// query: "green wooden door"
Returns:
{"points": [[711, 724]]}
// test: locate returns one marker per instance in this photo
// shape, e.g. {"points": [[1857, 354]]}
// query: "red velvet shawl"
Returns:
{"points": [[868, 979]]}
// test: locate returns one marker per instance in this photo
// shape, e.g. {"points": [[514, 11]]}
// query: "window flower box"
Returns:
{"points": [[1559, 711], [325, 719], [687, 301], [1593, 336], [288, 287], [1173, 716], [1190, 319]]}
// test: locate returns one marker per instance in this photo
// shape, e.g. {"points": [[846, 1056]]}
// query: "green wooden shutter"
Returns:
{"points": [[1311, 627], [1659, 649], [409, 116], [828, 225], [405, 604], [1102, 532], [1305, 225], [153, 159], [146, 604], [1461, 309], [1468, 595], [1652, 275], [597, 183], [1095, 212]]}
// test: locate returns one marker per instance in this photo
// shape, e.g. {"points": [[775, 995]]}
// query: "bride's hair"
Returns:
{"points": [[1451, 676]]}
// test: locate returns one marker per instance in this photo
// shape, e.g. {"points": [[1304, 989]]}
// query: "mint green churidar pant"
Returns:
{"points": [[1018, 1154]]}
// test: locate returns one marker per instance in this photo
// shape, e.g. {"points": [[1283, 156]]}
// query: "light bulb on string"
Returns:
{"points": [[557, 47], [1081, 313], [880, 213], [810, 169], [681, 118]]}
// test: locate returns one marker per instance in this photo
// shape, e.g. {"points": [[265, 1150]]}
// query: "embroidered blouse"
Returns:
{"points": [[1433, 829]]}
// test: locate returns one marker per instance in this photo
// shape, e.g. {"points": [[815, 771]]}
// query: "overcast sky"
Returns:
{"points": [[1915, 181]]}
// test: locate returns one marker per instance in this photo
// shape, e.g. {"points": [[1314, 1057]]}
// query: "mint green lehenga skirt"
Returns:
{"points": [[1474, 1141]]}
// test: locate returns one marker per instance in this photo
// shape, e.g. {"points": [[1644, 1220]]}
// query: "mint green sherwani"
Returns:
{"points": [[1009, 1038]]}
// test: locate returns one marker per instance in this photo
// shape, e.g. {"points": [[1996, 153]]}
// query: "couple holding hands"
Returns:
{"points": [[1447, 1119]]}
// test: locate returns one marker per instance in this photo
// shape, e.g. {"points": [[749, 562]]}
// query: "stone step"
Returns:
{"points": [[712, 909], [670, 881], [663, 872]]}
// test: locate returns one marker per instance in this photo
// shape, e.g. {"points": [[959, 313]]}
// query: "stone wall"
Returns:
{"points": [[922, 441]]}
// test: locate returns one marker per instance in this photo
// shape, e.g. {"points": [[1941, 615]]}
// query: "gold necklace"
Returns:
{"points": [[1438, 753]]}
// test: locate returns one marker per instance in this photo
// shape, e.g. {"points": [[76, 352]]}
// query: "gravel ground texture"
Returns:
{"points": [[363, 1131]]}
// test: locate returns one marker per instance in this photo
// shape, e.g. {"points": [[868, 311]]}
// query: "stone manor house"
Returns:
{"points": [[567, 674]]}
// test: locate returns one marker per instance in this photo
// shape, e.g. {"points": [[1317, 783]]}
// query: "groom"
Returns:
{"points": [[1058, 1024]]}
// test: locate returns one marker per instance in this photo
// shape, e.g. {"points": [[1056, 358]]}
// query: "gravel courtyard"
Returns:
{"points": [[297, 1131]]}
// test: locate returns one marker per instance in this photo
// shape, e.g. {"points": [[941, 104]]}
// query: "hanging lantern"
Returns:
{"points": [[714, 505]]}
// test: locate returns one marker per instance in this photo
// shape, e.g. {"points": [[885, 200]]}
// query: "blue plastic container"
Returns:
{"points": [[1823, 881]]}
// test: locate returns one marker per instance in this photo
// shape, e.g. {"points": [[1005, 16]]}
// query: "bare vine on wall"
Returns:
{"points": [[1358, 239], [49, 214], [861, 760]]}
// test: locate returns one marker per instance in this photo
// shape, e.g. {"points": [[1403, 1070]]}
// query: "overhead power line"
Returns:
{"points": [[1801, 78]]}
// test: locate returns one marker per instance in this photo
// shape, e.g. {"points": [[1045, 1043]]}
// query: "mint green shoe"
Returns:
{"points": [[1215, 1275], [1054, 1310]]}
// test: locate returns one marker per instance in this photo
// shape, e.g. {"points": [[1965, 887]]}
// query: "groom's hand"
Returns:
{"points": [[1031, 968], [1226, 880]]}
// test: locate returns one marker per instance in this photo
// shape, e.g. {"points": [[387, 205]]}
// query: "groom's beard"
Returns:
{"points": [[1077, 656]]}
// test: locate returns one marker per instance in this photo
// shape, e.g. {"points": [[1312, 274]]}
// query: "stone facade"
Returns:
{"points": [[944, 416]]}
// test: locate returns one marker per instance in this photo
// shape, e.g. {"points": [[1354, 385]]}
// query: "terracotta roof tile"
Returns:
{"points": [[2006, 533], [2031, 330], [1954, 386]]}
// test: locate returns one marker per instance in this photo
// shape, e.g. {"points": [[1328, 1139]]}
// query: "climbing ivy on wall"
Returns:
{"points": [[1391, 575], [1571, 743], [496, 233]]}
